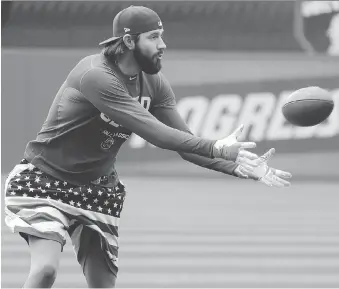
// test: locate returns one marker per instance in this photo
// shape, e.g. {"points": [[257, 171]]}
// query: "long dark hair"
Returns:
{"points": [[112, 51]]}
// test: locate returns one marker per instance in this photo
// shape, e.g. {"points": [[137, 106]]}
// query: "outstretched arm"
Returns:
{"points": [[171, 117], [108, 95], [263, 173], [106, 92], [164, 109]]}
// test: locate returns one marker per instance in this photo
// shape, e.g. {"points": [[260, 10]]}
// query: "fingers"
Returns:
{"points": [[244, 163], [268, 155], [272, 180], [248, 155], [237, 132], [248, 160], [283, 182], [282, 174], [271, 183], [247, 145], [248, 164], [266, 182]]}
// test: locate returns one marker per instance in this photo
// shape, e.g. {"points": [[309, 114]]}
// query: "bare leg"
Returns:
{"points": [[45, 255], [96, 270]]}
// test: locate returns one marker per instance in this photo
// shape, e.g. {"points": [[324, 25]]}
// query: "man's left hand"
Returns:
{"points": [[264, 174]]}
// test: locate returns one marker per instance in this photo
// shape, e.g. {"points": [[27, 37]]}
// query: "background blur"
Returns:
{"points": [[228, 63]]}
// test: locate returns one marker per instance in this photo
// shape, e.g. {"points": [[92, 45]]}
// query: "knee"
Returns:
{"points": [[49, 271], [46, 273]]}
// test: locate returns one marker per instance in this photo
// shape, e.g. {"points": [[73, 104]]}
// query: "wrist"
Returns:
{"points": [[240, 172], [234, 170], [228, 152], [215, 151]]}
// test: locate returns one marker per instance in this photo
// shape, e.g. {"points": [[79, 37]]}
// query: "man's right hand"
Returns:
{"points": [[231, 149], [265, 174]]}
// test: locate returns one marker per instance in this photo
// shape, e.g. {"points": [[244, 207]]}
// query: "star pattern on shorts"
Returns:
{"points": [[36, 184]]}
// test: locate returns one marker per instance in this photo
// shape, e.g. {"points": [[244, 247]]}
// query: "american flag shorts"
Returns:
{"points": [[40, 205]]}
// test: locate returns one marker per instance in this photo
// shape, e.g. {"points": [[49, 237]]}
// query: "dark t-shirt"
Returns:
{"points": [[94, 113]]}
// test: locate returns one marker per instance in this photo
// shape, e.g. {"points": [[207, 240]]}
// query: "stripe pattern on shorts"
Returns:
{"points": [[41, 205]]}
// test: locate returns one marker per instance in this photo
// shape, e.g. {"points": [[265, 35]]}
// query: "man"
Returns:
{"points": [[67, 183]]}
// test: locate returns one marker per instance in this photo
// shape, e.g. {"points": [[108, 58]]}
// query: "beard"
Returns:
{"points": [[149, 65]]}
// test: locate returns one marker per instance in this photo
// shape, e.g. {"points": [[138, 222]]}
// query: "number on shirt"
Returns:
{"points": [[145, 101]]}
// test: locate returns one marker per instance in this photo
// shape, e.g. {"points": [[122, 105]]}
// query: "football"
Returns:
{"points": [[308, 106]]}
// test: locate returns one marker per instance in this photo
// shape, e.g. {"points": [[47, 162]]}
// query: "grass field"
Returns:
{"points": [[202, 232]]}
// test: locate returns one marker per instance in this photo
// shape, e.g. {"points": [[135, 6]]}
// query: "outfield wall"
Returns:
{"points": [[215, 93], [215, 110]]}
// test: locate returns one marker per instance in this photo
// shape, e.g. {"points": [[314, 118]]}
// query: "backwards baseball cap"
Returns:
{"points": [[134, 20]]}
